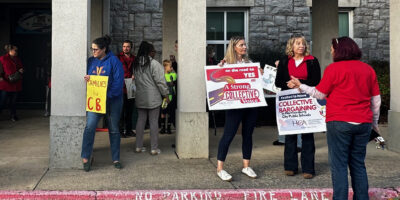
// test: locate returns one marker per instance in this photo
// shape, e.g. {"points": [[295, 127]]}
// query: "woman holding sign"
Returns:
{"points": [[104, 63], [301, 64], [236, 53], [353, 100]]}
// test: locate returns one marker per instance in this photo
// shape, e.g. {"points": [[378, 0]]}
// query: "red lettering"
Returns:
{"points": [[98, 107], [88, 103]]}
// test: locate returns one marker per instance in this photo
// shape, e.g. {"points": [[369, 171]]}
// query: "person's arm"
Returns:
{"points": [[312, 91], [280, 81], [375, 107], [158, 76], [314, 73], [117, 78]]}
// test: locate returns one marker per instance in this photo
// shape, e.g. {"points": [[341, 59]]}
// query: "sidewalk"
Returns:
{"points": [[24, 147]]}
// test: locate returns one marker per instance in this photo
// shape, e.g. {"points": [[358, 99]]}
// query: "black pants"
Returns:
{"points": [[248, 117], [9, 98], [126, 114], [307, 153]]}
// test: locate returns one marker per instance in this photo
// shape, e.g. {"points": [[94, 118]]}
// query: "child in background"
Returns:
{"points": [[168, 114]]}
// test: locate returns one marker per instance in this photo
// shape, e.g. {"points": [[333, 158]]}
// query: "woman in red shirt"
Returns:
{"points": [[9, 87], [353, 100], [301, 64]]}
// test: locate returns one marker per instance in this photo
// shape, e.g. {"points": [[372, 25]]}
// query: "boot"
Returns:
{"points": [[169, 129], [162, 131]]}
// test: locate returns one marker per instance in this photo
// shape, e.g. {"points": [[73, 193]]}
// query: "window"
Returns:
{"points": [[345, 23], [222, 25]]}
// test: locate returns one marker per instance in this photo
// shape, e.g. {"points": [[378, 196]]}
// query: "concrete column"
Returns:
{"points": [[394, 112], [325, 27], [70, 34], [96, 20], [192, 118], [169, 28]]}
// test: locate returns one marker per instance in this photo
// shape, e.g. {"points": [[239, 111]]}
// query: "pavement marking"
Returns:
{"points": [[218, 194]]}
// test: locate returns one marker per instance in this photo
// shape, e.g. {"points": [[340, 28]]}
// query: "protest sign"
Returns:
{"points": [[96, 94], [268, 79], [130, 88], [234, 86], [299, 113]]}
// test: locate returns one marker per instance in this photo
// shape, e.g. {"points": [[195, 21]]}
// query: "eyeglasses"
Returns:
{"points": [[94, 50]]}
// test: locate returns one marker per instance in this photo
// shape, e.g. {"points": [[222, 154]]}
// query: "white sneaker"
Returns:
{"points": [[155, 152], [140, 150], [224, 175], [249, 172]]}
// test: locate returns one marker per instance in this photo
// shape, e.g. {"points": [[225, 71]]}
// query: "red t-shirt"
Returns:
{"points": [[349, 86], [300, 71]]}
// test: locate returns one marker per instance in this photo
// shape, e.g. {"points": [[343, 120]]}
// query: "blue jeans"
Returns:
{"points": [[113, 114], [347, 148], [307, 153], [248, 117], [281, 139]]}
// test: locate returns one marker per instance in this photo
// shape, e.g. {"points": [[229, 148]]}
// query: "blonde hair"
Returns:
{"points": [[9, 47], [166, 62], [231, 57], [290, 43]]}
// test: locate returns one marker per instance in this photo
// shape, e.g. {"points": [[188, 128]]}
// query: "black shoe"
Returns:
{"points": [[277, 143], [162, 131], [122, 134], [130, 134], [14, 118], [88, 164], [118, 165]]}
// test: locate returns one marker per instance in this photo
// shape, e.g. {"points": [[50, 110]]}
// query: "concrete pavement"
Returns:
{"points": [[24, 147]]}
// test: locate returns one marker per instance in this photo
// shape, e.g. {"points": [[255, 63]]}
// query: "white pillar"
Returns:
{"points": [[169, 28], [394, 112], [70, 33], [192, 118], [325, 27]]}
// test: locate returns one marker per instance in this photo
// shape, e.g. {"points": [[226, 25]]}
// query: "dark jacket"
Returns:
{"points": [[282, 74], [109, 66]]}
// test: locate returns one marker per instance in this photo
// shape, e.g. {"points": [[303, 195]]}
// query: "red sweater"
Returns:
{"points": [[349, 86], [127, 63], [10, 66]]}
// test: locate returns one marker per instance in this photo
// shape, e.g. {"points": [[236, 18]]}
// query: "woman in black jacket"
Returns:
{"points": [[298, 63]]}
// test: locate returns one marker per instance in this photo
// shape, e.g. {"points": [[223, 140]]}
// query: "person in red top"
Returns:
{"points": [[301, 64], [10, 88], [127, 59], [353, 101]]}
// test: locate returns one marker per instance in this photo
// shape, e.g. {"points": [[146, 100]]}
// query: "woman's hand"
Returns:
{"points": [[133, 77], [222, 62], [167, 99], [293, 83], [87, 78], [276, 63], [375, 127]]}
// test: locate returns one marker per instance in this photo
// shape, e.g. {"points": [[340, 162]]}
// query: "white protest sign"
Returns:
{"points": [[299, 113], [269, 79], [234, 86]]}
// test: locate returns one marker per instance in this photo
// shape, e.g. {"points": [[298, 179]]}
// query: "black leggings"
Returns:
{"points": [[248, 117]]}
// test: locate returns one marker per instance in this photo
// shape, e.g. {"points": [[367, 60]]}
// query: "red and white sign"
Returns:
{"points": [[234, 86]]}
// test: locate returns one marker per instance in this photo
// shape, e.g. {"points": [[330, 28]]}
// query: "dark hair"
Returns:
{"points": [[142, 58], [345, 49], [9, 47], [128, 41], [103, 42]]}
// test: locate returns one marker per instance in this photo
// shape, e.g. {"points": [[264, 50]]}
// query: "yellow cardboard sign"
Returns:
{"points": [[96, 94]]}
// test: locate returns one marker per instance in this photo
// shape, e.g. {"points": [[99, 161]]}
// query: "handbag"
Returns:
{"points": [[15, 77]]}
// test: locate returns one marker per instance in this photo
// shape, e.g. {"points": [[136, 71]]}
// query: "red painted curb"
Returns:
{"points": [[218, 194]]}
